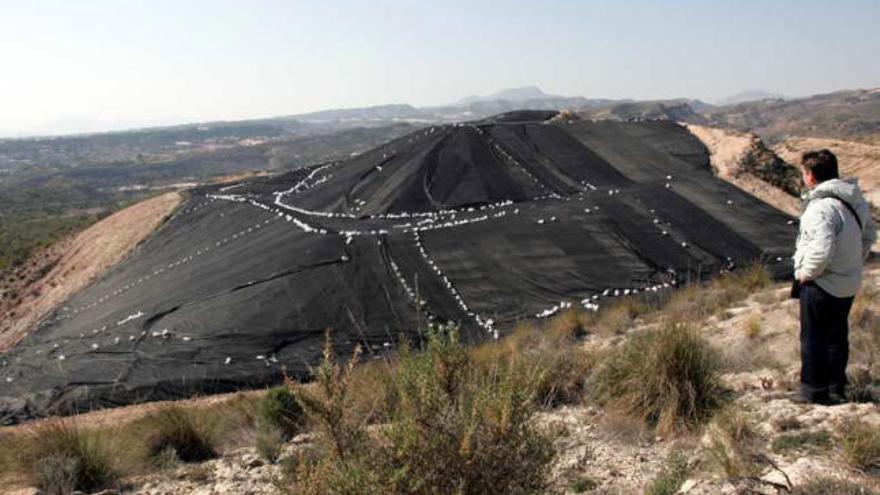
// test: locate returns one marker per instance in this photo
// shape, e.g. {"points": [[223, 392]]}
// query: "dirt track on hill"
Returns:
{"points": [[84, 258]]}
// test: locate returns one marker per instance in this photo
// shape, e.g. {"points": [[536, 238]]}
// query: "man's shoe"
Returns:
{"points": [[818, 399]]}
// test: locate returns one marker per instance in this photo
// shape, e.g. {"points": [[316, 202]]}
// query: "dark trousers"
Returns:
{"points": [[824, 342]]}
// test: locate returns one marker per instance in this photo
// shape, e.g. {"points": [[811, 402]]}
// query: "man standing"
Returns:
{"points": [[836, 234]]}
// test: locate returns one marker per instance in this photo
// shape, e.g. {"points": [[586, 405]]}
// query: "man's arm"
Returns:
{"points": [[819, 227], [869, 236]]}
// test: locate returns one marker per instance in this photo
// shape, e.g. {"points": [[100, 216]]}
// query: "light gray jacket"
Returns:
{"points": [[831, 249]]}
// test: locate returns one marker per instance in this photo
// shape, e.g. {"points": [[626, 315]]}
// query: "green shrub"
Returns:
{"points": [[191, 434], [280, 410], [584, 484], [669, 378], [61, 457], [461, 428], [809, 441], [22, 235], [671, 477], [456, 427]]}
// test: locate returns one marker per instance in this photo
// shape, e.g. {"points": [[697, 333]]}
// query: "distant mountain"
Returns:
{"points": [[524, 93], [470, 108], [678, 110], [380, 112], [750, 95]]}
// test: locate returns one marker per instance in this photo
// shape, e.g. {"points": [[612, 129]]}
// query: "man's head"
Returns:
{"points": [[817, 167]]}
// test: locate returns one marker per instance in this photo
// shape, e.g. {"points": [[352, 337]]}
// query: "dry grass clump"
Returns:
{"points": [[831, 486], [861, 445], [373, 396], [864, 314], [184, 434], [733, 444], [864, 337], [619, 317], [457, 427], [553, 348], [668, 377], [60, 457], [805, 441], [696, 302], [753, 326]]}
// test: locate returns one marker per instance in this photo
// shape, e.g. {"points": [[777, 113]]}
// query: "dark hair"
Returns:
{"points": [[822, 163]]}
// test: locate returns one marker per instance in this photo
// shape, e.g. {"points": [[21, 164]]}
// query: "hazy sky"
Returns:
{"points": [[84, 65]]}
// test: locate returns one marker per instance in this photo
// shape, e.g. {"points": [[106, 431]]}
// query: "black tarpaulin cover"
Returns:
{"points": [[482, 224]]}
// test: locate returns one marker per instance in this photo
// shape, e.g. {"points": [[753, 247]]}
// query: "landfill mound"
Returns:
{"points": [[483, 224]]}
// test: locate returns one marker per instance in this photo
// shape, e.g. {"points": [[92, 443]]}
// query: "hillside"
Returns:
{"points": [[743, 160], [681, 110], [854, 158], [241, 282], [79, 260], [749, 96], [849, 115]]}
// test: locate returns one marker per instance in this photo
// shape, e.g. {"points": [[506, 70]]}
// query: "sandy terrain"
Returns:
{"points": [[82, 259], [855, 159], [729, 151]]}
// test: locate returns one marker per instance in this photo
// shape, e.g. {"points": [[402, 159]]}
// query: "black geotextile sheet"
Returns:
{"points": [[481, 224]]}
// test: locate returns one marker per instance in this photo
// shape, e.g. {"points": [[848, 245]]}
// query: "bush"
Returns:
{"points": [[861, 445], [619, 316], [456, 428], [61, 457], [189, 434], [668, 377], [672, 476], [583, 484], [280, 410], [551, 348]]}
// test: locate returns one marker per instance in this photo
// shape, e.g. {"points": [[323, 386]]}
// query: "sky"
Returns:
{"points": [[79, 66]]}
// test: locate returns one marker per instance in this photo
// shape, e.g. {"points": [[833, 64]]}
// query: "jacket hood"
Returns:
{"points": [[847, 190]]}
